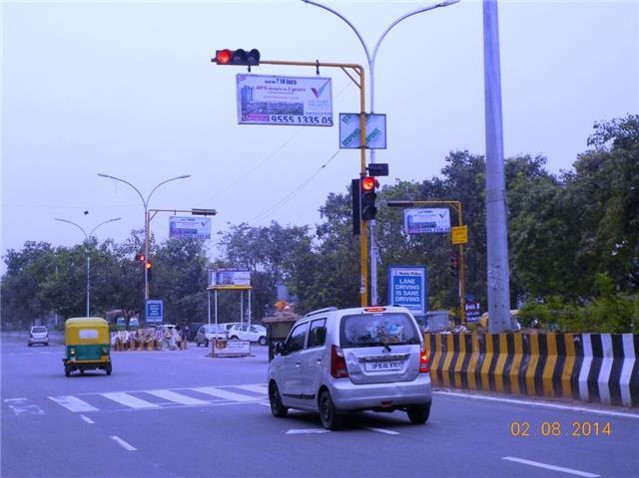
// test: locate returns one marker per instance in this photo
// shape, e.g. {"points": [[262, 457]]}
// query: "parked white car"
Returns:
{"points": [[252, 333], [209, 332]]}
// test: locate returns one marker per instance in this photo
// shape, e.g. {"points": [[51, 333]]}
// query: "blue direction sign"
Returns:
{"points": [[154, 312], [407, 286]]}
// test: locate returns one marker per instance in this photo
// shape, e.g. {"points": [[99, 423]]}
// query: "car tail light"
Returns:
{"points": [[424, 362], [338, 363]]}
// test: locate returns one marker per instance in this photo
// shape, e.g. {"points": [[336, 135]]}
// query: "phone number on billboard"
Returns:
{"points": [[308, 120]]}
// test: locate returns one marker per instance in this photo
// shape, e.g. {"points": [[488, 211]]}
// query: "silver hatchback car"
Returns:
{"points": [[338, 361]]}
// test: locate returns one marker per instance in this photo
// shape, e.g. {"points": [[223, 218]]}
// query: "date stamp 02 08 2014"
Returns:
{"points": [[575, 429]]}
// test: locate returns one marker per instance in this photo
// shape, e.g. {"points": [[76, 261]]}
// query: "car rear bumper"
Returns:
{"points": [[348, 396], [33, 341]]}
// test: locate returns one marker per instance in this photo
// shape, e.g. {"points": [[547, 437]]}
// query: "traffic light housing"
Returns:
{"points": [[355, 199], [454, 265], [237, 57], [368, 196], [149, 267], [140, 258]]}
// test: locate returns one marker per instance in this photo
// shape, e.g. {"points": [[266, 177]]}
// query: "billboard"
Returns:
{"points": [[417, 221], [284, 100], [189, 227], [229, 279]]}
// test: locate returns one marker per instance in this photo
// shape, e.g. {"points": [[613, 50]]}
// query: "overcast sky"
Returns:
{"points": [[128, 89]]}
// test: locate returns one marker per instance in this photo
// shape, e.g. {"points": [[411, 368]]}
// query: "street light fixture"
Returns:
{"points": [[86, 248], [371, 68], [145, 203]]}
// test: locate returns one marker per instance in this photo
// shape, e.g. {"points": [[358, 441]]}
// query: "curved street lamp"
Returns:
{"points": [[371, 68], [145, 203], [86, 248]]}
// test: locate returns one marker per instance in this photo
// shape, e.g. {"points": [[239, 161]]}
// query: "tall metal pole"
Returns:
{"points": [[86, 250], [496, 220], [371, 69], [145, 203]]}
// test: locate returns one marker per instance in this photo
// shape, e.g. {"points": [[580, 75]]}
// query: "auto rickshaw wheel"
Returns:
{"points": [[67, 371], [108, 369]]}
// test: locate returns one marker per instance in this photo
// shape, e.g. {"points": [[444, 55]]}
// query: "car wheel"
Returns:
{"points": [[262, 341], [418, 414], [29, 345], [197, 343], [277, 409], [331, 419], [206, 343]]}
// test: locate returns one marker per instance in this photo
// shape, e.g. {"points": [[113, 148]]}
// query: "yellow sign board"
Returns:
{"points": [[459, 234]]}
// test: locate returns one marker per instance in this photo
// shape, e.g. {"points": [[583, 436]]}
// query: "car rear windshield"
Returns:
{"points": [[378, 329], [39, 330]]}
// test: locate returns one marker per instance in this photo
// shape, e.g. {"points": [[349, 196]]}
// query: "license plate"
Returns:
{"points": [[383, 366]]}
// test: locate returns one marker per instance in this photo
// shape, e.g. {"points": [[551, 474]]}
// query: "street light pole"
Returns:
{"points": [[86, 249], [145, 203], [371, 69]]}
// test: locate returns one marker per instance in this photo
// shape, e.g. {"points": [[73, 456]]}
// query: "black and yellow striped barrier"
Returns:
{"points": [[600, 368]]}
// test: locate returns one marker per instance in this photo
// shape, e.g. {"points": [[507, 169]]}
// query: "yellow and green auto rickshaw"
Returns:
{"points": [[87, 345]]}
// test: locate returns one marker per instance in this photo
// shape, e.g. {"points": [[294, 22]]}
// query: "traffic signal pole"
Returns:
{"points": [[356, 73]]}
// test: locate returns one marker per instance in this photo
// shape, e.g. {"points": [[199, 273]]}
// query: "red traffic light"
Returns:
{"points": [[237, 57], [369, 183], [223, 57], [140, 258]]}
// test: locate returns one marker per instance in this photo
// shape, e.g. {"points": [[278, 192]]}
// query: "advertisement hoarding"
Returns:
{"points": [[418, 221], [284, 100], [229, 279], [189, 227]]}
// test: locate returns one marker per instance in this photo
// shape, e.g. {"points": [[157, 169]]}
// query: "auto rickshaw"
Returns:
{"points": [[87, 345]]}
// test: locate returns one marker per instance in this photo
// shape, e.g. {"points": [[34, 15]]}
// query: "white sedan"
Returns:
{"points": [[252, 333]]}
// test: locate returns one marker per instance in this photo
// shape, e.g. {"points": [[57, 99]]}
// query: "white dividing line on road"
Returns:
{"points": [[382, 430], [87, 419], [122, 443], [129, 400], [550, 467], [225, 394], [540, 404], [301, 431], [176, 397], [73, 403]]}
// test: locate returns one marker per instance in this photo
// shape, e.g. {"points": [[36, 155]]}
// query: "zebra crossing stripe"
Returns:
{"points": [[176, 397], [129, 400], [73, 403], [261, 389], [216, 392]]}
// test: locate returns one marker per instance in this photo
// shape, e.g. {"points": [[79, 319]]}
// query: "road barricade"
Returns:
{"points": [[601, 368]]}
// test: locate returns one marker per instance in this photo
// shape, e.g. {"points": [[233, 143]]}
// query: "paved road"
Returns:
{"points": [[183, 414]]}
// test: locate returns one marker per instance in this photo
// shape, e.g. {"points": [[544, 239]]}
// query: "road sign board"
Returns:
{"points": [[407, 286], [154, 312], [350, 132]]}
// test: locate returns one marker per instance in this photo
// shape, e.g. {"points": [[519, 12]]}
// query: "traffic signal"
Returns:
{"points": [[357, 216], [140, 258], [454, 265], [368, 195], [149, 267], [237, 57]]}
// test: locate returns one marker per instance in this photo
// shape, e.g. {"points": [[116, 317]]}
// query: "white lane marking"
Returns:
{"points": [[176, 397], [540, 404], [261, 389], [129, 400], [216, 392], [382, 430], [301, 431], [122, 443], [551, 467], [73, 403], [87, 419], [21, 406]]}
